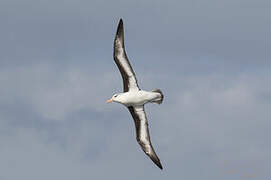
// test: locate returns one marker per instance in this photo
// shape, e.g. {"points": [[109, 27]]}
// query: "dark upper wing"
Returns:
{"points": [[120, 57], [142, 133]]}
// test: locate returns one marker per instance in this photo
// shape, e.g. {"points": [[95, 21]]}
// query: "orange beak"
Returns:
{"points": [[109, 101]]}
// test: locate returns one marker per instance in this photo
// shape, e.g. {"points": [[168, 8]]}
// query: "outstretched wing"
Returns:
{"points": [[120, 57], [142, 133]]}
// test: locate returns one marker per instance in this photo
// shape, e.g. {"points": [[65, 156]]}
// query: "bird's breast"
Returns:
{"points": [[137, 98]]}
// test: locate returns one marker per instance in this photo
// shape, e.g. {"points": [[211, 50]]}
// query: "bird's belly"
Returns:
{"points": [[138, 98]]}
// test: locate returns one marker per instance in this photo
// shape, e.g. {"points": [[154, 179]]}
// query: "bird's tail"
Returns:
{"points": [[160, 99]]}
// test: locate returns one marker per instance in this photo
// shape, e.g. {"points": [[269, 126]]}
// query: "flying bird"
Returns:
{"points": [[133, 97]]}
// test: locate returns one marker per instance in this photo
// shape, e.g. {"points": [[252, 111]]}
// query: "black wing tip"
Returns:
{"points": [[120, 28], [156, 160], [159, 165]]}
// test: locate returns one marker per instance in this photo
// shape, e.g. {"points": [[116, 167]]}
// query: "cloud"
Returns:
{"points": [[210, 59], [63, 120], [54, 94]]}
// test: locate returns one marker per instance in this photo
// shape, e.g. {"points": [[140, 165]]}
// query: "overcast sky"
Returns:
{"points": [[210, 58]]}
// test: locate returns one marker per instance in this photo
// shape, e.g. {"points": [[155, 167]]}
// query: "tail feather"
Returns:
{"points": [[160, 100]]}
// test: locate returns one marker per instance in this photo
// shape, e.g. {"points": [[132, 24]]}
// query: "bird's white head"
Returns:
{"points": [[114, 98]]}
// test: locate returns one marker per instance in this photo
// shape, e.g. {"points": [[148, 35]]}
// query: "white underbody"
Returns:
{"points": [[137, 98]]}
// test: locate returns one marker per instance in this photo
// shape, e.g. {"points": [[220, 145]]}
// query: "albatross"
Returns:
{"points": [[133, 97]]}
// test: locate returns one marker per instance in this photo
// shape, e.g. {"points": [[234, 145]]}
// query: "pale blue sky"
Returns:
{"points": [[210, 58]]}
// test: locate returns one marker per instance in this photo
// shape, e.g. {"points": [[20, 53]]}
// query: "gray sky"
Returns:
{"points": [[210, 58]]}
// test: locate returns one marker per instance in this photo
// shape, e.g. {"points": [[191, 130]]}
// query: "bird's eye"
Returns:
{"points": [[116, 95]]}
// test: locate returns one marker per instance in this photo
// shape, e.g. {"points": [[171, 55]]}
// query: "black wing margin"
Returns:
{"points": [[121, 59], [142, 133]]}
